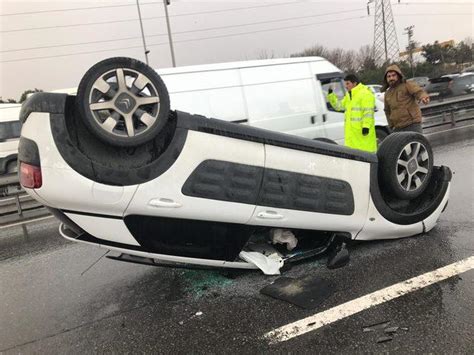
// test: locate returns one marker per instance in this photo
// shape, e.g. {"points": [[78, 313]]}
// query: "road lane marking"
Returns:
{"points": [[360, 304]]}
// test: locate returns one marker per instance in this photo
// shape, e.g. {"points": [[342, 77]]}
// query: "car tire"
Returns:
{"points": [[325, 140], [405, 165], [123, 102], [381, 133]]}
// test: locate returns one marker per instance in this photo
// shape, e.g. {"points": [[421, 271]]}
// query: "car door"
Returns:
{"points": [[214, 178], [304, 190]]}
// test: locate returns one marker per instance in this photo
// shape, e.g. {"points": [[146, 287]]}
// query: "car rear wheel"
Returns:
{"points": [[123, 102], [405, 165]]}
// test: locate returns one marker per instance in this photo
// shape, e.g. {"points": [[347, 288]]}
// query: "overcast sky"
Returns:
{"points": [[203, 32]]}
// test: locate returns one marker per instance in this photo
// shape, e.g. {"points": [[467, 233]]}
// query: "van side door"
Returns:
{"points": [[334, 120], [282, 98]]}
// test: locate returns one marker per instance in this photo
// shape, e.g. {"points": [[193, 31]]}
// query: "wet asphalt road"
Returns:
{"points": [[53, 301]]}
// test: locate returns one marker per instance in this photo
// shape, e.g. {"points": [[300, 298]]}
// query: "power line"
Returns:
{"points": [[195, 30], [77, 25], [72, 54], [148, 18], [189, 40], [440, 14], [73, 44], [75, 9], [151, 3], [272, 29], [432, 3]]}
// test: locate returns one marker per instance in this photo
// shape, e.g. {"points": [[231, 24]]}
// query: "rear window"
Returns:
{"points": [[440, 80], [465, 80], [9, 130]]}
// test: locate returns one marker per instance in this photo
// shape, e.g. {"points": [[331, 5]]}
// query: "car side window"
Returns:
{"points": [[338, 88]]}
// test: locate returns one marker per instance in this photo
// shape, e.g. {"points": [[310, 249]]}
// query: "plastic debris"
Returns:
{"points": [[376, 326], [198, 313], [384, 339], [391, 330], [284, 236], [270, 265]]}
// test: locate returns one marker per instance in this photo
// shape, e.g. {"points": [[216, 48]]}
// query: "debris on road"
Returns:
{"points": [[308, 292], [384, 339]]}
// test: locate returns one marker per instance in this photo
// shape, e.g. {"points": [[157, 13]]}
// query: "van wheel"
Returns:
{"points": [[381, 134], [123, 102], [405, 164], [325, 140]]}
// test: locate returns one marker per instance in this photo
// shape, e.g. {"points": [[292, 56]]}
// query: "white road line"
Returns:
{"points": [[360, 304]]}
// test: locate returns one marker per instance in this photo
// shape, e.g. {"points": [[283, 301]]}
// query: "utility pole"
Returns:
{"points": [[385, 36], [166, 3], [143, 34], [411, 46]]}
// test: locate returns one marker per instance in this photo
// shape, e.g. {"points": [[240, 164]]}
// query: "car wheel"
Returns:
{"points": [[123, 102], [325, 140], [405, 164], [381, 134]]}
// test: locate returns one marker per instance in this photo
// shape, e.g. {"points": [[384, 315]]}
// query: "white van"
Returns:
{"points": [[285, 95], [10, 128]]}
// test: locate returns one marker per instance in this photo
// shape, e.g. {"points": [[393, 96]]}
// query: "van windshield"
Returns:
{"points": [[9, 130]]}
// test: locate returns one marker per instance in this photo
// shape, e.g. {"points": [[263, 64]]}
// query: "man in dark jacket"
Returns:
{"points": [[401, 101]]}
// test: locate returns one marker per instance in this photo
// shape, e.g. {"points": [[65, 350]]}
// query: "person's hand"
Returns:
{"points": [[365, 131], [425, 100]]}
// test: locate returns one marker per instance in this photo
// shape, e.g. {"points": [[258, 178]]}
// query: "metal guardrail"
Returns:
{"points": [[20, 207], [447, 108]]}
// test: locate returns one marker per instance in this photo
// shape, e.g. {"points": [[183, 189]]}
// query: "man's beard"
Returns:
{"points": [[393, 83]]}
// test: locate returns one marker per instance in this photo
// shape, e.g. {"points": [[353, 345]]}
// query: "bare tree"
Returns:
{"points": [[366, 58], [264, 54], [315, 51]]}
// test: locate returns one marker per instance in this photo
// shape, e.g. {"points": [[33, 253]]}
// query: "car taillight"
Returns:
{"points": [[30, 176]]}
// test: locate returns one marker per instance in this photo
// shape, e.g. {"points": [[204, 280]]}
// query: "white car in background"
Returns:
{"points": [[377, 90], [123, 171]]}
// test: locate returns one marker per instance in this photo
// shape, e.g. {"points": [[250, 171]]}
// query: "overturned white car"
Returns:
{"points": [[123, 171]]}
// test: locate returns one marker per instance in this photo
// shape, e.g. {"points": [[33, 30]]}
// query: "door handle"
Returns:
{"points": [[312, 119], [324, 117], [269, 215], [163, 202]]}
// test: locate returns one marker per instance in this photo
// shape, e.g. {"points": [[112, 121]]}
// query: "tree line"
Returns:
{"points": [[438, 60]]}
